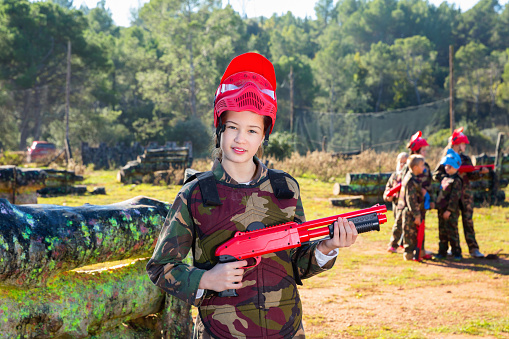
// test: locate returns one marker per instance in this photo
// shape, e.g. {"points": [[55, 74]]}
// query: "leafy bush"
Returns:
{"points": [[195, 131], [280, 145], [12, 158], [479, 142]]}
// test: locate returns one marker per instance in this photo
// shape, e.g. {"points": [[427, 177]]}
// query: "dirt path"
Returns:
{"points": [[453, 301]]}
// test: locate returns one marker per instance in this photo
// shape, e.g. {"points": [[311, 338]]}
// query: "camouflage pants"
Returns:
{"points": [[201, 333], [409, 231], [467, 210], [448, 233], [397, 228]]}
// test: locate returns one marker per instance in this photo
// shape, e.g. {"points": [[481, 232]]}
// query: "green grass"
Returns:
{"points": [[115, 191], [373, 271]]}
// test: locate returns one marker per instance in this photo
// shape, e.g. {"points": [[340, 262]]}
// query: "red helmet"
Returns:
{"points": [[417, 142], [248, 84], [458, 137]]}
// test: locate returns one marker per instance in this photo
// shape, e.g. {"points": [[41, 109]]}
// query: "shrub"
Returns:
{"points": [[280, 145], [325, 167], [12, 158]]}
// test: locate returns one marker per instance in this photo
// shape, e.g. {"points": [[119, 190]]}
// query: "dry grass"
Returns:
{"points": [[323, 166]]}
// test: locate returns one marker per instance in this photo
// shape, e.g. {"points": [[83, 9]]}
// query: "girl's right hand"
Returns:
{"points": [[223, 277]]}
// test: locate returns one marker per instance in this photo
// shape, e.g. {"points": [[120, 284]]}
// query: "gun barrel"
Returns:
{"points": [[271, 239], [329, 220]]}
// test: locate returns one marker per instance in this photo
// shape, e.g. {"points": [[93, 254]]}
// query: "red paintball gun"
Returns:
{"points": [[394, 190], [470, 168], [260, 239], [420, 241]]}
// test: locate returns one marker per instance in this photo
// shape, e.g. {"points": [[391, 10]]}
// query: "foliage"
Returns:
{"points": [[147, 82], [280, 145], [12, 158], [193, 130]]}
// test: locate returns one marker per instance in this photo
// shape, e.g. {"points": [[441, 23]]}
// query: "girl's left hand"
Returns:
{"points": [[345, 235]]}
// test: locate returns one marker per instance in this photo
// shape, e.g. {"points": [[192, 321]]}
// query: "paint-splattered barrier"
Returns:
{"points": [[20, 185], [39, 295]]}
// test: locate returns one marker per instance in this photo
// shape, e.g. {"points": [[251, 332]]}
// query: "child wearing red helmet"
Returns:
{"points": [[458, 142], [238, 192], [418, 146]]}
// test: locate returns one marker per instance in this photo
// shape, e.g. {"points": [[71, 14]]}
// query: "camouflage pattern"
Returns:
{"points": [[201, 333], [268, 305], [397, 228], [451, 191], [367, 178], [467, 200], [425, 179], [411, 205], [361, 189]]}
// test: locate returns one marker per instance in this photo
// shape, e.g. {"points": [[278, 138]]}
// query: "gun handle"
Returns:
{"points": [[228, 293]]}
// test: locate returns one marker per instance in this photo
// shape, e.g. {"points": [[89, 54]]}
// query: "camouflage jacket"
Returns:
{"points": [[439, 172], [425, 179], [268, 304], [411, 195], [394, 180], [451, 190]]}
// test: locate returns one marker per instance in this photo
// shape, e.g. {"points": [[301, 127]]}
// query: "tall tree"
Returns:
{"points": [[472, 63], [416, 56], [33, 64], [380, 65]]}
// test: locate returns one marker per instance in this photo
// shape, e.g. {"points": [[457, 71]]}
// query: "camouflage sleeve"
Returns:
{"points": [[304, 256], [166, 268], [299, 212], [454, 198], [427, 184], [474, 175], [439, 173], [389, 185], [412, 194]]}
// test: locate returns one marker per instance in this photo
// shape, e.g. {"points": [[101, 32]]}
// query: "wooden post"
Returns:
{"points": [[68, 152], [291, 99], [451, 87], [324, 143], [499, 157]]}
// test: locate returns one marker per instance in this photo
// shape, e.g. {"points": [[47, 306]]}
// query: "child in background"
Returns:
{"points": [[451, 189], [394, 180], [419, 145], [458, 142], [411, 204], [238, 192]]}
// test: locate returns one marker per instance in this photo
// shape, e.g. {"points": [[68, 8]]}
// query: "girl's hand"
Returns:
{"points": [[345, 235], [223, 277]]}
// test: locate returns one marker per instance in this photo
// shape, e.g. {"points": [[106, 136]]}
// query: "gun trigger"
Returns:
{"points": [[258, 261]]}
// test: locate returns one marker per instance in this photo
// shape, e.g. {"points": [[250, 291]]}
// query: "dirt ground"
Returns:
{"points": [[473, 291]]}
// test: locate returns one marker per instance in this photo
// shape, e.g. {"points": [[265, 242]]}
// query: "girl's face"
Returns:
{"points": [[401, 163], [242, 136]]}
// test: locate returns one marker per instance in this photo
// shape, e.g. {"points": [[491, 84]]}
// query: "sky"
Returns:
{"points": [[121, 13]]}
